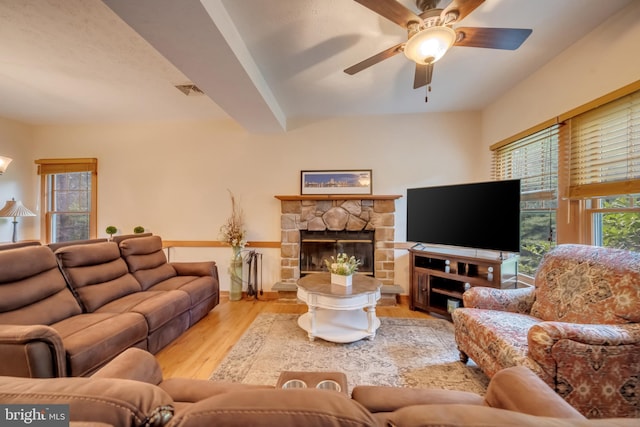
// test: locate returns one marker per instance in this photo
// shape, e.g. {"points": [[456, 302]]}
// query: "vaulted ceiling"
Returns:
{"points": [[259, 62]]}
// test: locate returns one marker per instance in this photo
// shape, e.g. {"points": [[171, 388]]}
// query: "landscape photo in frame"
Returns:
{"points": [[336, 182]]}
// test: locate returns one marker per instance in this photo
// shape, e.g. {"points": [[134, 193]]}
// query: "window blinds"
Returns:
{"points": [[534, 160], [605, 149], [55, 166]]}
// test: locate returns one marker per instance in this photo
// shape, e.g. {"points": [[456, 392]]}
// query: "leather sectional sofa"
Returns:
{"points": [[130, 391], [66, 310]]}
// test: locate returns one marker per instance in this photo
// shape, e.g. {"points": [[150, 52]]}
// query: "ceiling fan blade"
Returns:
{"points": [[461, 7], [375, 59], [392, 10], [492, 38], [422, 75]]}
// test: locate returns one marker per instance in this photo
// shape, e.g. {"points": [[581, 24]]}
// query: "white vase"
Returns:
{"points": [[338, 279]]}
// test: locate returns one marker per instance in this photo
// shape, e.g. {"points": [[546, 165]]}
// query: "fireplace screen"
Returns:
{"points": [[316, 246]]}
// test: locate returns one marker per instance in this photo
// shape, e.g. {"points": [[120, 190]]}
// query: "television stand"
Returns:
{"points": [[439, 276]]}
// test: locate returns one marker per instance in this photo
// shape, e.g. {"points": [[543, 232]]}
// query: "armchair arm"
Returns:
{"points": [[201, 268], [545, 338], [34, 351], [512, 300], [579, 357]]}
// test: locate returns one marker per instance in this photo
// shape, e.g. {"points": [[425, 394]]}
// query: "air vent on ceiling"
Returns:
{"points": [[190, 90]]}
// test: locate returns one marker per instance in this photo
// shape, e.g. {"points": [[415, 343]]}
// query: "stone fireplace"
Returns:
{"points": [[337, 214]]}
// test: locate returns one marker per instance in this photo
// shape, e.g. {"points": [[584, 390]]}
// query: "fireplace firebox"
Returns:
{"points": [[316, 246]]}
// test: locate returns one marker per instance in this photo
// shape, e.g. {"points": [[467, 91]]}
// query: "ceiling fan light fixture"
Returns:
{"points": [[429, 45]]}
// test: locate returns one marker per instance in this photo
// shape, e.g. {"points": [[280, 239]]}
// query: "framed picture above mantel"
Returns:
{"points": [[352, 181]]}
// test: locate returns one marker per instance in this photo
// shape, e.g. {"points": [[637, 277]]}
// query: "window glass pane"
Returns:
{"points": [[537, 236], [72, 192], [67, 227], [616, 225], [71, 206]]}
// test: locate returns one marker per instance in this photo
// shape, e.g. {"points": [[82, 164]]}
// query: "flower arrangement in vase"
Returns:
{"points": [[233, 233], [342, 267]]}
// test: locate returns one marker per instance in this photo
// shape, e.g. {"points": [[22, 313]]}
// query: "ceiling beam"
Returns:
{"points": [[202, 42]]}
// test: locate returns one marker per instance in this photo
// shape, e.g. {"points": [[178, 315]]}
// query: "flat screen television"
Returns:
{"points": [[483, 215]]}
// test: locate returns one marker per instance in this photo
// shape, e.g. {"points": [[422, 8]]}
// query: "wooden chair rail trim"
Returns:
{"points": [[214, 244]]}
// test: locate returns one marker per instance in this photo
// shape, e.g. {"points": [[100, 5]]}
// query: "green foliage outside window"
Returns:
{"points": [[620, 229], [536, 230]]}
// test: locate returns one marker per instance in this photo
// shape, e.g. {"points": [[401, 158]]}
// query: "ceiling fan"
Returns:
{"points": [[430, 34]]}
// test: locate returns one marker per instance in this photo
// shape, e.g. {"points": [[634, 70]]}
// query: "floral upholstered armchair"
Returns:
{"points": [[578, 329]]}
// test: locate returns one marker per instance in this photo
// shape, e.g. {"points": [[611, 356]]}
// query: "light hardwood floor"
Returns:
{"points": [[197, 352]]}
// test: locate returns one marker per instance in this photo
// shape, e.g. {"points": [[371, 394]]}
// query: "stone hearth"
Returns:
{"points": [[337, 213]]}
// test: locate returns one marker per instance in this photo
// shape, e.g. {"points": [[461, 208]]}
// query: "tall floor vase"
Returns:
{"points": [[235, 271]]}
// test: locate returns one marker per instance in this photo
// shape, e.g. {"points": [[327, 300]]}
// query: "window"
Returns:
{"points": [[69, 199], [616, 221], [604, 171], [580, 176], [534, 160]]}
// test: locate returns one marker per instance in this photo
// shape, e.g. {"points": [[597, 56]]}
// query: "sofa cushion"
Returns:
{"points": [[277, 407], [146, 260], [97, 273], [499, 337], [157, 307], [93, 339], [588, 284], [32, 289], [57, 245], [112, 401]]}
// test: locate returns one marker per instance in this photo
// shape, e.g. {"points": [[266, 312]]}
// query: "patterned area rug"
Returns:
{"points": [[405, 352]]}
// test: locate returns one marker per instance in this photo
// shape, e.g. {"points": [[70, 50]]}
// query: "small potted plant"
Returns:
{"points": [[342, 267], [138, 230], [111, 230]]}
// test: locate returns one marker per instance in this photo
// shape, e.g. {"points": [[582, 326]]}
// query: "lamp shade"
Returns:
{"points": [[4, 163], [15, 208], [430, 44]]}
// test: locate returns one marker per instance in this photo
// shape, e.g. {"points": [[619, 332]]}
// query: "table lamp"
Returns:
{"points": [[15, 209]]}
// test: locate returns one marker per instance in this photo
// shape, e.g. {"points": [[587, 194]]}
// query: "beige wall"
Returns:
{"points": [[601, 62], [19, 181], [172, 178]]}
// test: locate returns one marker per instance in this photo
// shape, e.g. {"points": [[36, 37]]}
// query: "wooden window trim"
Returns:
{"points": [[56, 166]]}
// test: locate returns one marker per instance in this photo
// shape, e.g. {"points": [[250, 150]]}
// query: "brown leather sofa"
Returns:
{"points": [[68, 312], [130, 391]]}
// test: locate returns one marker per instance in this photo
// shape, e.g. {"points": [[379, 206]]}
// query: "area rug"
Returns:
{"points": [[405, 353]]}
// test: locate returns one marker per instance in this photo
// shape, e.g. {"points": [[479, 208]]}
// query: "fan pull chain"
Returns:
{"points": [[426, 98]]}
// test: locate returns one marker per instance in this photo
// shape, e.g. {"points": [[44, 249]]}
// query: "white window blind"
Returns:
{"points": [[605, 149], [534, 160]]}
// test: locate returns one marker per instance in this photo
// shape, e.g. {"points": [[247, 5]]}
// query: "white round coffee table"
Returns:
{"points": [[337, 313]]}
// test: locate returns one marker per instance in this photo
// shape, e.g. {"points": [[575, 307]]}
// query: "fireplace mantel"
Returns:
{"points": [[338, 197]]}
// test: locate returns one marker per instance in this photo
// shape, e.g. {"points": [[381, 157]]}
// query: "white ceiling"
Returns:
{"points": [[260, 62]]}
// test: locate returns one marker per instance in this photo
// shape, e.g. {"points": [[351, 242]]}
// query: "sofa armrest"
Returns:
{"points": [[115, 402], [34, 351], [202, 268], [132, 364], [519, 389], [512, 300]]}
